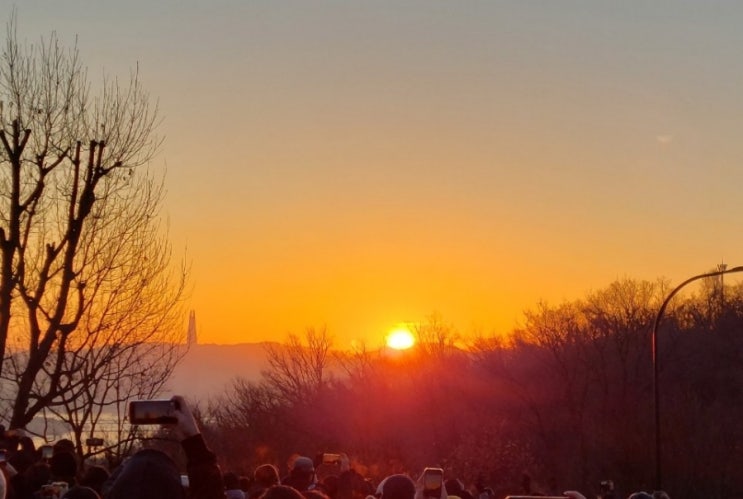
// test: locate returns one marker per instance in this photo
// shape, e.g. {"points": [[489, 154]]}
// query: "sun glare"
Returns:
{"points": [[400, 338]]}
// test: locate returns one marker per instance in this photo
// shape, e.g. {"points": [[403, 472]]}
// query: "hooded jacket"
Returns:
{"points": [[152, 474]]}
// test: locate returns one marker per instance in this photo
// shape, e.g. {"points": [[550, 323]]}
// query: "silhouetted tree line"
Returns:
{"points": [[566, 399]]}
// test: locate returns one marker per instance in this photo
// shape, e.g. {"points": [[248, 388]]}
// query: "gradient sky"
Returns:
{"points": [[356, 164]]}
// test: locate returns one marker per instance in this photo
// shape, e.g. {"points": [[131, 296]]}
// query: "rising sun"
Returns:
{"points": [[400, 338]]}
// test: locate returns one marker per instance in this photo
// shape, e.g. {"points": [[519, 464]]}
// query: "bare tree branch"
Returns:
{"points": [[89, 296]]}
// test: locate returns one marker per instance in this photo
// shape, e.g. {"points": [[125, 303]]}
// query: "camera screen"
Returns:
{"points": [[330, 458], [433, 478], [152, 412]]}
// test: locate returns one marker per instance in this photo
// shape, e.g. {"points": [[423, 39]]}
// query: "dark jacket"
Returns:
{"points": [[204, 475], [152, 474]]}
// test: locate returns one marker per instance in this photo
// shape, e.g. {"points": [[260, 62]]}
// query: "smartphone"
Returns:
{"points": [[152, 412], [3, 455], [433, 479], [47, 451], [328, 458]]}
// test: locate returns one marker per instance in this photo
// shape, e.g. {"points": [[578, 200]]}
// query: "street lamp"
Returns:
{"points": [[656, 391]]}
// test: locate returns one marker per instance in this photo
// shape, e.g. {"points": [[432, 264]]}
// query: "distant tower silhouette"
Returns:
{"points": [[192, 340], [722, 267]]}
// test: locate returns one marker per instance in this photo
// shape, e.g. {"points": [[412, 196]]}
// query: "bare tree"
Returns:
{"points": [[298, 371], [85, 267], [436, 337], [248, 424], [108, 377]]}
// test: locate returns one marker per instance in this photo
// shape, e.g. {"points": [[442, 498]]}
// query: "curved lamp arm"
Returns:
{"points": [[656, 370]]}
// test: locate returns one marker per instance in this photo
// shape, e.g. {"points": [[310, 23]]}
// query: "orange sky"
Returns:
{"points": [[359, 164]]}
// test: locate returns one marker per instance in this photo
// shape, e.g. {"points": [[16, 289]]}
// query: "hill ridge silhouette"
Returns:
{"points": [[207, 370]]}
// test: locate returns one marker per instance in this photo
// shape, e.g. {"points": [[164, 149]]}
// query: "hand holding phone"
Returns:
{"points": [[184, 417], [174, 411]]}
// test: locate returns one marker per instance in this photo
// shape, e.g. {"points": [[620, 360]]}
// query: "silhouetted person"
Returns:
{"points": [[94, 477], [397, 487], [63, 466], [64, 445], [302, 474], [36, 476], [152, 474], [264, 476], [25, 456], [232, 488]]}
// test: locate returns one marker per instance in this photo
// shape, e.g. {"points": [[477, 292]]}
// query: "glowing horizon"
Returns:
{"points": [[350, 165]]}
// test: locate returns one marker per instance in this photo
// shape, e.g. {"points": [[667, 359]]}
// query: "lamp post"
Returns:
{"points": [[656, 370]]}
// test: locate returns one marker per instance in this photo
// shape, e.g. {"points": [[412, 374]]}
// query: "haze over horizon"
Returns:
{"points": [[354, 165]]}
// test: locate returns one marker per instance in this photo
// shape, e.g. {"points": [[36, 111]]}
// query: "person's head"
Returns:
{"points": [[454, 487], [94, 477], [302, 474], [232, 486], [64, 445], [266, 475], [63, 466], [148, 474], [27, 444], [303, 465], [231, 480], [11, 440], [37, 475], [25, 456], [398, 487]]}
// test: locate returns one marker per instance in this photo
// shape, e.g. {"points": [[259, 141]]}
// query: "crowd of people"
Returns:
{"points": [[54, 472]]}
